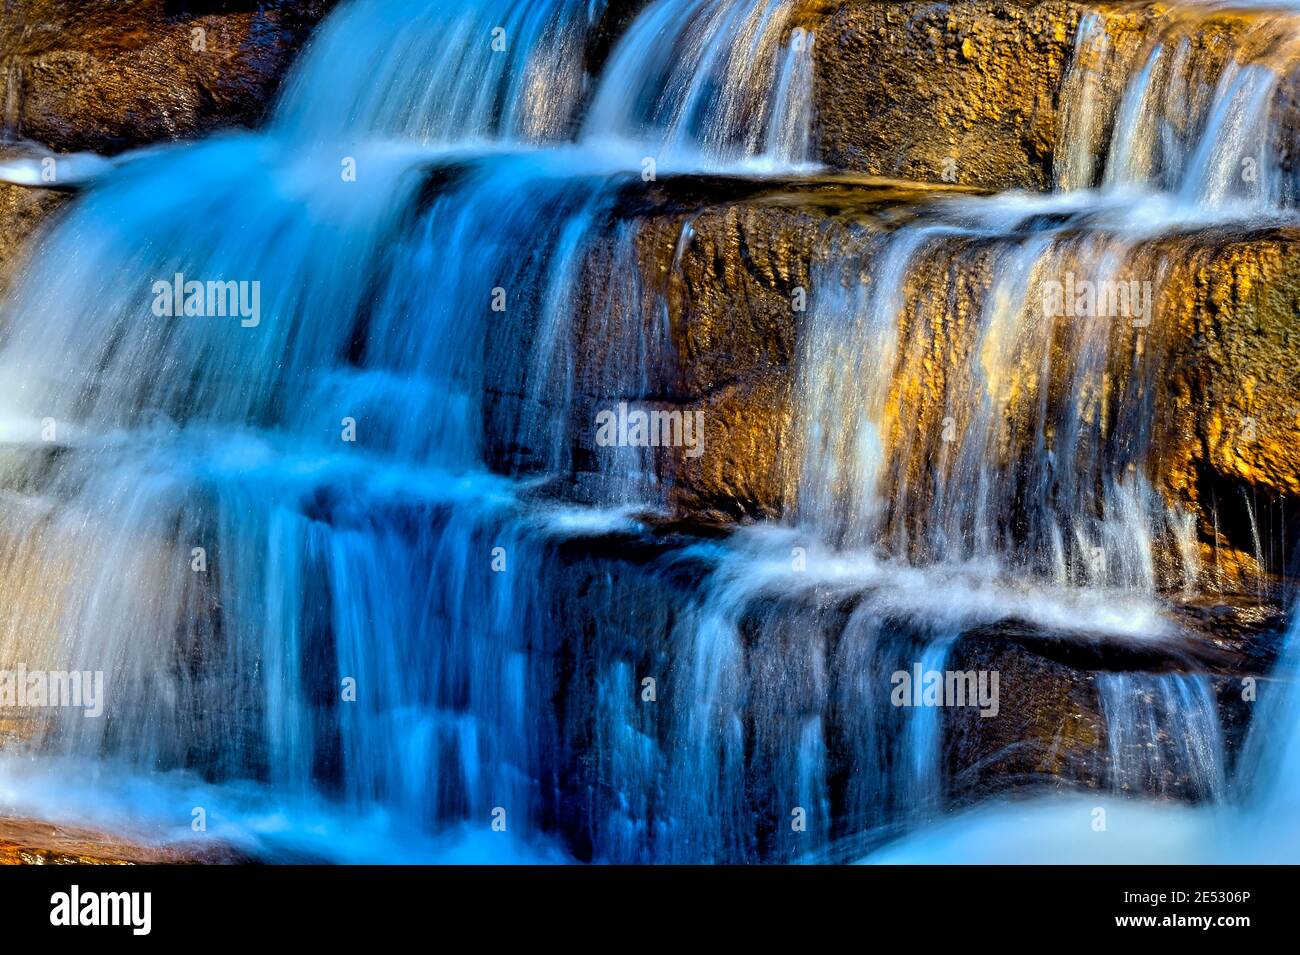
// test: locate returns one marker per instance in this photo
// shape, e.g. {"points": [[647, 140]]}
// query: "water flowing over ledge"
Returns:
{"points": [[385, 479]]}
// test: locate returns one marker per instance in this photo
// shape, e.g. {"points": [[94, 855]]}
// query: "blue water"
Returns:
{"points": [[421, 611]]}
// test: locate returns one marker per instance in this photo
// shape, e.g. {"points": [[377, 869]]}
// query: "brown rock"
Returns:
{"points": [[1232, 445], [1214, 364], [731, 279], [964, 92], [32, 842], [109, 76], [21, 211]]}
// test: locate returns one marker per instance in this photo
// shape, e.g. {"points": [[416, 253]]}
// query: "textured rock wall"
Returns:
{"points": [[964, 92], [106, 76], [21, 211], [1217, 362]]}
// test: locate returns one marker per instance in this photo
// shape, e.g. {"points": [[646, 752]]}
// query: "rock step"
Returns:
{"points": [[35, 842], [622, 609], [1225, 445], [977, 92]]}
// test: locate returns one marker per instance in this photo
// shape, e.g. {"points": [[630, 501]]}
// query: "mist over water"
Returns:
{"points": [[375, 476]]}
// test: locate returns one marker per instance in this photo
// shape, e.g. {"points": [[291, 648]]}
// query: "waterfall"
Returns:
{"points": [[922, 741], [732, 80], [348, 544], [1159, 727], [1186, 103], [1270, 762], [445, 72], [982, 385], [789, 133], [294, 494], [1032, 422]]}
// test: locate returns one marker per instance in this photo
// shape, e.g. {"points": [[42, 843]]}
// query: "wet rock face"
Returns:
{"points": [[1205, 386], [730, 282], [1077, 714], [1023, 94], [28, 842], [961, 92], [109, 76], [21, 211], [1233, 431], [1049, 726], [1073, 713], [731, 302]]}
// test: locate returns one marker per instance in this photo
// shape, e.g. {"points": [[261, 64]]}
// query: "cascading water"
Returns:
{"points": [[1159, 727], [321, 546], [1186, 102], [272, 556], [422, 72], [733, 81], [1021, 460], [1168, 127]]}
